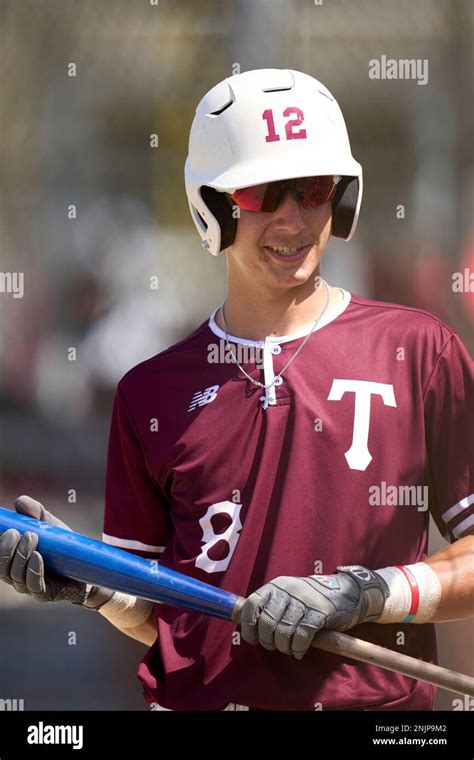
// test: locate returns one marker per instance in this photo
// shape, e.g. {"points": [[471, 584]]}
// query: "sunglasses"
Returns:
{"points": [[311, 192]]}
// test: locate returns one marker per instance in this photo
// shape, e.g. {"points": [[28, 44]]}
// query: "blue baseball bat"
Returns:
{"points": [[84, 559]]}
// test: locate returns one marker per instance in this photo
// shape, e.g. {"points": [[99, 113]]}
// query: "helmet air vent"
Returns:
{"points": [[277, 89], [220, 110]]}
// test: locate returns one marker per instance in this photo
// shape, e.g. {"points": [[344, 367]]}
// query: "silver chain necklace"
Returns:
{"points": [[266, 398]]}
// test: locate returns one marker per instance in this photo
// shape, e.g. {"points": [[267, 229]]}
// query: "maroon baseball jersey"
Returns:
{"points": [[369, 430]]}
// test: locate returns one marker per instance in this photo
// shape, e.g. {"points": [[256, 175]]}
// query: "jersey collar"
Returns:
{"points": [[329, 317]]}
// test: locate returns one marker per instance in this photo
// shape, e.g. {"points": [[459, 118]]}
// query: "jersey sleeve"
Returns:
{"points": [[137, 516], [449, 425]]}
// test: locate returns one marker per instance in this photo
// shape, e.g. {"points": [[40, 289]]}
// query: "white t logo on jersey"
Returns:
{"points": [[210, 538], [358, 456]]}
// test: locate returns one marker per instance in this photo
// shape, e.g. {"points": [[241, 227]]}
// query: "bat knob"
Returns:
{"points": [[235, 617]]}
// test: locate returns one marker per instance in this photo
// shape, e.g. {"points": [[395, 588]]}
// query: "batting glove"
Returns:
{"points": [[286, 613], [22, 567]]}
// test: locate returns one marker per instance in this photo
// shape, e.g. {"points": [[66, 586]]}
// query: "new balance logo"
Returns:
{"points": [[203, 397]]}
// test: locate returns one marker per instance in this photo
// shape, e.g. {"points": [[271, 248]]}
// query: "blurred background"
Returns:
{"points": [[88, 313]]}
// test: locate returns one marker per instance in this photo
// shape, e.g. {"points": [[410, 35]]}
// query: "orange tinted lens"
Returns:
{"points": [[266, 197], [311, 191], [315, 191], [250, 198]]}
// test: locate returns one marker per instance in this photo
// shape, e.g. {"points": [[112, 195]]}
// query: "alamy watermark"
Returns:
{"points": [[463, 282], [225, 353], [41, 733], [12, 282], [396, 496], [399, 68], [12, 705]]}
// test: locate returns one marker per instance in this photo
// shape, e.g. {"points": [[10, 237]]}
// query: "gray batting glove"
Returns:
{"points": [[22, 566], [286, 613]]}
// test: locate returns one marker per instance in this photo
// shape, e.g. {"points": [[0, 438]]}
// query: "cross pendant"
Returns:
{"points": [[265, 399]]}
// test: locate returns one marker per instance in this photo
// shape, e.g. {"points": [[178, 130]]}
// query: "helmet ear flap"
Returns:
{"points": [[220, 207], [345, 207]]}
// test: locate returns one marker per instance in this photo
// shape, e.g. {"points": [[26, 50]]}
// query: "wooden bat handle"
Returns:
{"points": [[364, 651]]}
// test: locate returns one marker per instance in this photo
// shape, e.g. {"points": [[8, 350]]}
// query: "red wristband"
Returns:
{"points": [[415, 592]]}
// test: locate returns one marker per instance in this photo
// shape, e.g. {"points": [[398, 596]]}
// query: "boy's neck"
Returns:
{"points": [[259, 320]]}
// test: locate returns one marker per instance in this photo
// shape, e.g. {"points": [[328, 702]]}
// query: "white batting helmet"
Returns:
{"points": [[261, 126]]}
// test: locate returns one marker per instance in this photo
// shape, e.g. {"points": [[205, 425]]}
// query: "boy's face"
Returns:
{"points": [[251, 255]]}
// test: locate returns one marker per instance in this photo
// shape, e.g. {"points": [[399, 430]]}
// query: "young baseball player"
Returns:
{"points": [[291, 449]]}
